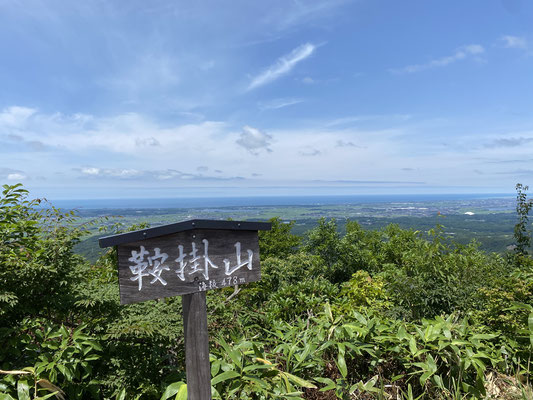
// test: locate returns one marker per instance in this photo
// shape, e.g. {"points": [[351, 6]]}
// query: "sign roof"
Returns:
{"points": [[169, 229]]}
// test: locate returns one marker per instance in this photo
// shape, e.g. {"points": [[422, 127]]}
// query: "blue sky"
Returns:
{"points": [[106, 99]]}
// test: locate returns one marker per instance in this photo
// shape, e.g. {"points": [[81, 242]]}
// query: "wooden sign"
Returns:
{"points": [[188, 258], [191, 259], [187, 262]]}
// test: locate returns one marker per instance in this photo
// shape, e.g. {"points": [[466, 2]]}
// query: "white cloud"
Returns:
{"points": [[149, 141], [12, 174], [138, 174], [90, 171], [283, 66], [462, 53], [129, 133], [514, 42], [253, 140], [108, 149], [121, 173], [15, 177], [90, 151], [15, 115]]}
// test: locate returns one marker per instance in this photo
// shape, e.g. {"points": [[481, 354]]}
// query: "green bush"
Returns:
{"points": [[48, 356], [363, 292], [38, 267], [278, 241], [369, 314]]}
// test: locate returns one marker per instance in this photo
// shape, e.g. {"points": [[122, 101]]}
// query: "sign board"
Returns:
{"points": [[188, 258], [185, 258]]}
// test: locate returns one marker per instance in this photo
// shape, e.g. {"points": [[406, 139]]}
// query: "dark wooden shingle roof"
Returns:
{"points": [[148, 233]]}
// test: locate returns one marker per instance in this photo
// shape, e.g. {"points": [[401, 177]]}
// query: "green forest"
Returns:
{"points": [[390, 313]]}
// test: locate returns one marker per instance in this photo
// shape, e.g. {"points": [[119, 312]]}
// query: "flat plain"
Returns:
{"points": [[489, 221]]}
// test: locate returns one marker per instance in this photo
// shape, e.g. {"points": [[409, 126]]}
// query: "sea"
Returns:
{"points": [[252, 201]]}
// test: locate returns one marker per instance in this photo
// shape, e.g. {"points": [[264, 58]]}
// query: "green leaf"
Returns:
{"points": [[402, 334], [360, 318], [171, 390], [431, 363], [182, 393], [412, 345], [327, 310], [483, 336], [23, 390], [65, 371], [122, 395], [369, 386], [341, 364], [224, 376], [299, 381], [396, 377], [215, 367], [258, 381], [438, 381], [235, 356], [425, 377], [328, 382], [255, 367]]}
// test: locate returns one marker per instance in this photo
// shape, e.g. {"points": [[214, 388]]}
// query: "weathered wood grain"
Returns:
{"points": [[221, 247], [196, 347]]}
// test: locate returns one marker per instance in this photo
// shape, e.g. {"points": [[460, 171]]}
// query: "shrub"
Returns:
{"points": [[38, 266], [278, 241], [363, 292]]}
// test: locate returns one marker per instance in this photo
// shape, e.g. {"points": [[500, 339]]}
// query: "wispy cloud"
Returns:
{"points": [[365, 118], [309, 152], [147, 73], [528, 172], [514, 42], [139, 174], [361, 182], [301, 12], [283, 65], [460, 54], [342, 143], [26, 145], [514, 161], [510, 142], [279, 103]]}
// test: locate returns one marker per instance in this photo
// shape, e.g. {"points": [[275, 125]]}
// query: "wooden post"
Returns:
{"points": [[196, 346]]}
